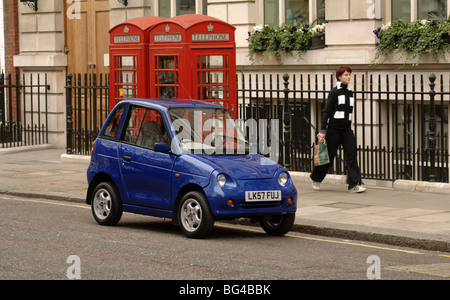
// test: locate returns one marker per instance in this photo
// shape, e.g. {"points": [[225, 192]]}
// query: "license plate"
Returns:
{"points": [[257, 196]]}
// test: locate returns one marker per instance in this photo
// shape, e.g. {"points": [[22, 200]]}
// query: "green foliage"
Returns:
{"points": [[413, 38], [272, 41]]}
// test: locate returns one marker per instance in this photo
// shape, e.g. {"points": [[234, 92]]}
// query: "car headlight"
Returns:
{"points": [[221, 179], [283, 178]]}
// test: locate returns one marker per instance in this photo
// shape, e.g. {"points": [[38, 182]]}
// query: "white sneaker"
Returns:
{"points": [[357, 189], [316, 186]]}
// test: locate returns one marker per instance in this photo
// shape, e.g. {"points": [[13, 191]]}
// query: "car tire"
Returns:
{"points": [[277, 224], [194, 215], [106, 204]]}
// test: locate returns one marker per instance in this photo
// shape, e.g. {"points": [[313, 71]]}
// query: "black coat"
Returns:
{"points": [[338, 109]]}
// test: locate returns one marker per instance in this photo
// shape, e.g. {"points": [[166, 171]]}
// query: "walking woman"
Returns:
{"points": [[336, 129]]}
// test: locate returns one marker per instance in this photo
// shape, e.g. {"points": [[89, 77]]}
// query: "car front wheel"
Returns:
{"points": [[106, 204], [195, 217], [277, 224]]}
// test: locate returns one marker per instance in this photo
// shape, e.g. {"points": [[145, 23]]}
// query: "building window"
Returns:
{"points": [[185, 7], [432, 9], [271, 12], [320, 6], [164, 8], [401, 9], [172, 8], [297, 11], [426, 9], [293, 11]]}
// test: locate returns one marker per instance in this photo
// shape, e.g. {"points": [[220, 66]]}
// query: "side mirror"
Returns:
{"points": [[163, 148]]}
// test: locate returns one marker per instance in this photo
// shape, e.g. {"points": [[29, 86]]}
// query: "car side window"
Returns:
{"points": [[113, 125], [144, 127]]}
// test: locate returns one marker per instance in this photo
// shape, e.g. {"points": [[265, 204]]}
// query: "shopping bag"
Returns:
{"points": [[321, 154]]}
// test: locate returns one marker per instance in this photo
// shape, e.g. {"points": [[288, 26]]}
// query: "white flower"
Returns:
{"points": [[424, 22], [318, 28], [258, 28], [385, 27], [321, 27]]}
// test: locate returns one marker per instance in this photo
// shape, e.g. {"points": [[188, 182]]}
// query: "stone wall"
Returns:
{"points": [[41, 41]]}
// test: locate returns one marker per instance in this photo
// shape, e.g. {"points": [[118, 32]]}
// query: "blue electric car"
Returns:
{"points": [[186, 160]]}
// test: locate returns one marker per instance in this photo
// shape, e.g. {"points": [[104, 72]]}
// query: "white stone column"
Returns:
{"points": [[42, 51], [351, 22]]}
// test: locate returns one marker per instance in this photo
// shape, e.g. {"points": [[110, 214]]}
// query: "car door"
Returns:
{"points": [[146, 174]]}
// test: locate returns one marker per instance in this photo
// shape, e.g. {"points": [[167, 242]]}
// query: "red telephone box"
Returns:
{"points": [[212, 50], [128, 57], [188, 56], [167, 60], [199, 53]]}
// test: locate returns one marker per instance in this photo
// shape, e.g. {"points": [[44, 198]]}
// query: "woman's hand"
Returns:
{"points": [[321, 136]]}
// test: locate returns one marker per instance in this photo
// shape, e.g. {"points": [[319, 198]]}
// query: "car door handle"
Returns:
{"points": [[127, 158]]}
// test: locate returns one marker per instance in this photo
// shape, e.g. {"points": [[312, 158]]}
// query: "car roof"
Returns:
{"points": [[168, 103]]}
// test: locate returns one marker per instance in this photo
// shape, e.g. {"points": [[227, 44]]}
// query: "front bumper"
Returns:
{"points": [[220, 205]]}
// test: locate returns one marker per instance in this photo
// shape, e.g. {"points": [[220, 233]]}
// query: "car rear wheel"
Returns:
{"points": [[277, 224], [106, 204], [195, 217]]}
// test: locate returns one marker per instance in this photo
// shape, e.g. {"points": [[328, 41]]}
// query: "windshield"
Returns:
{"points": [[211, 131]]}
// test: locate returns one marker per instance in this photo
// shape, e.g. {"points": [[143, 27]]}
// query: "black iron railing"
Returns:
{"points": [[87, 102], [23, 110], [392, 115]]}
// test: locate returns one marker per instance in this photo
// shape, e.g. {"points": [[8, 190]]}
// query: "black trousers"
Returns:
{"points": [[346, 138]]}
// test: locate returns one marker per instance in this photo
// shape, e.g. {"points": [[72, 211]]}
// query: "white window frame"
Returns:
{"points": [[414, 10], [173, 7], [282, 14]]}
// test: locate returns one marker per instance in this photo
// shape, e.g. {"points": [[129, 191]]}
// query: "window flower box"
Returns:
{"points": [[415, 39], [271, 41], [317, 42]]}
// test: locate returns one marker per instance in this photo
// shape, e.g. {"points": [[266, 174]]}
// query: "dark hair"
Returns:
{"points": [[341, 71]]}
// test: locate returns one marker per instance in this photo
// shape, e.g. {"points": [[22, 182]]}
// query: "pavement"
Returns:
{"points": [[401, 213]]}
